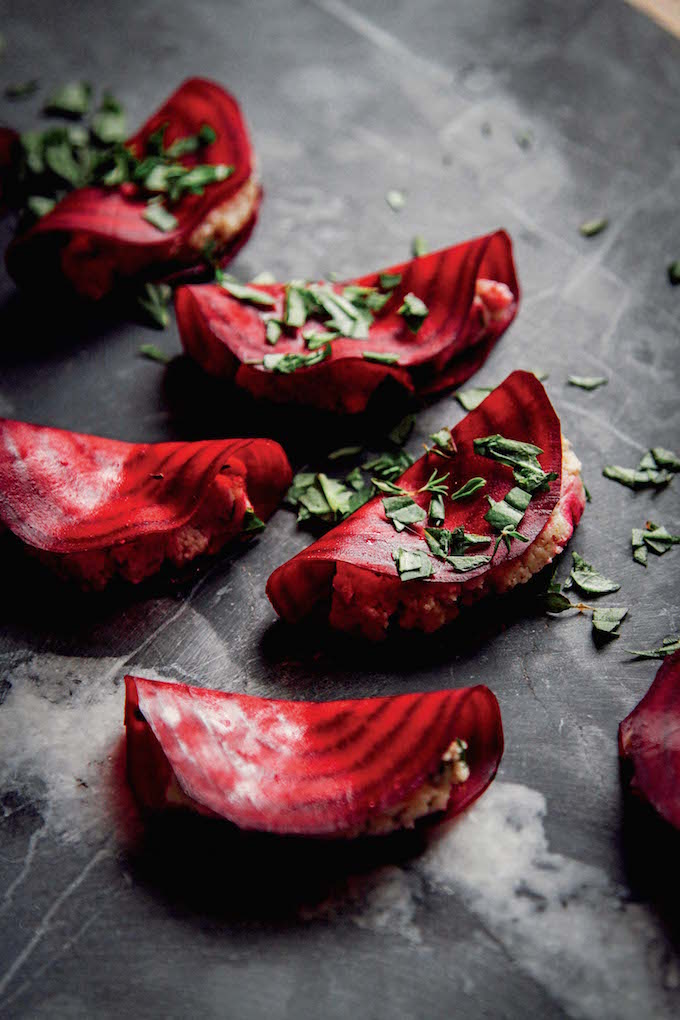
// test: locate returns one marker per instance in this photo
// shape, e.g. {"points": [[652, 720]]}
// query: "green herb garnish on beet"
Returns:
{"points": [[412, 565], [414, 311], [154, 301], [251, 295], [380, 357]]}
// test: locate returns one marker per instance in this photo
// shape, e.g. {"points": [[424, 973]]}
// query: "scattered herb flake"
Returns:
{"points": [[39, 205], [388, 281], [296, 307], [287, 363], [243, 292], [345, 451], [607, 620], [418, 246], [436, 512], [402, 510], [154, 300], [414, 311], [665, 458], [444, 441], [380, 357], [154, 353], [589, 580], [402, 430], [587, 382], [395, 199], [412, 564], [635, 478], [272, 331], [673, 271], [591, 228], [252, 524], [158, 216], [472, 398], [22, 89], [669, 645], [71, 100], [470, 487]]}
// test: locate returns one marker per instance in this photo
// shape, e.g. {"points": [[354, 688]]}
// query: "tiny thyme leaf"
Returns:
{"points": [[436, 483], [154, 300], [591, 228], [470, 487]]}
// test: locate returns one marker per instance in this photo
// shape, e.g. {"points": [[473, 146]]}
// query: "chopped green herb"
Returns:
{"points": [[402, 430], [436, 513], [665, 458], [71, 100], [436, 483], [389, 465], [639, 547], [265, 277], [607, 620], [470, 487], [250, 294], [272, 331], [108, 124], [590, 580], [587, 382], [412, 564], [336, 493], [22, 89], [154, 300], [464, 563], [39, 205], [60, 159], [501, 515], [388, 281], [522, 457], [414, 311], [287, 363], [668, 646], [591, 228], [314, 339], [252, 524], [635, 478], [674, 273], [396, 200], [296, 306], [418, 246], [158, 216], [380, 357], [402, 510], [444, 543], [444, 441], [154, 353], [472, 398], [589, 498], [345, 451], [518, 499], [654, 537]]}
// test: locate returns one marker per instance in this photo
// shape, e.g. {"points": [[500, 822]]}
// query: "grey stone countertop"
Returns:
{"points": [[552, 896]]}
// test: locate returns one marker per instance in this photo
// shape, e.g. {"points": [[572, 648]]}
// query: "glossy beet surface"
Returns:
{"points": [[225, 335], [106, 226], [649, 739], [298, 767], [518, 409], [64, 492]]}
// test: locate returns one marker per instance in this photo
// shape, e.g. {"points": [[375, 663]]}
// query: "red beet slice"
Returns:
{"points": [[518, 409], [63, 492], [649, 738], [299, 767], [98, 235], [466, 318]]}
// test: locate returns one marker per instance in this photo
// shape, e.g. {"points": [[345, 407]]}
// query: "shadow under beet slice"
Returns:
{"points": [[97, 236], [338, 768], [469, 293]]}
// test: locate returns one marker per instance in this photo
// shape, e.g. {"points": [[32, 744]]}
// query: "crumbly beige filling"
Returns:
{"points": [[431, 797], [364, 602], [227, 220]]}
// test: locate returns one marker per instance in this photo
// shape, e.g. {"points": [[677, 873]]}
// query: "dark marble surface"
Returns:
{"points": [[552, 897]]}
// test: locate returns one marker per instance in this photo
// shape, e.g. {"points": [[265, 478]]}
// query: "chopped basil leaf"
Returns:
{"points": [[412, 564], [22, 89], [154, 353], [154, 300], [336, 493], [674, 273], [388, 281], [465, 563], [296, 307], [587, 382], [437, 513], [287, 363], [315, 340], [470, 487], [396, 200], [654, 537], [444, 543], [71, 100], [665, 458], [418, 246], [522, 457], [590, 580], [389, 465], [607, 620], [414, 311], [501, 515], [250, 294], [39, 205], [345, 451], [158, 216], [444, 440], [472, 398], [591, 228], [668, 646], [402, 430], [380, 357], [272, 331], [636, 479], [402, 510], [252, 523]]}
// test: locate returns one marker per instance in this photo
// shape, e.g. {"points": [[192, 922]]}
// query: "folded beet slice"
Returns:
{"points": [[96, 236], [649, 739], [70, 496], [352, 569], [471, 294], [334, 768]]}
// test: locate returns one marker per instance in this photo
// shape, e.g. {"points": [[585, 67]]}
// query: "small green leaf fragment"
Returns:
{"points": [[587, 382], [252, 524], [418, 246], [22, 89], [158, 216], [673, 271], [345, 451], [589, 580], [555, 602], [591, 228], [669, 645], [402, 510], [395, 199], [243, 292], [473, 397], [272, 331], [437, 513], [154, 300], [412, 565], [388, 281], [71, 100], [444, 440], [470, 487], [607, 620], [665, 458], [635, 478], [380, 357], [154, 353], [39, 205], [402, 430], [414, 311]]}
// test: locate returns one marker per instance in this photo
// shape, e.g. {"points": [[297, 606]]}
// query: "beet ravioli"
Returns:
{"points": [[493, 501], [92, 508], [334, 768], [427, 324], [649, 742], [185, 181]]}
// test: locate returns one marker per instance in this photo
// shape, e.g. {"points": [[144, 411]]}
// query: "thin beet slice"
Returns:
{"points": [[466, 318], [92, 507], [649, 739], [518, 409], [296, 767], [96, 236]]}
